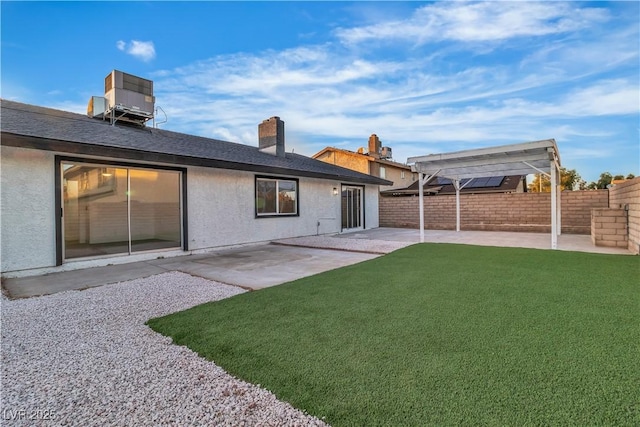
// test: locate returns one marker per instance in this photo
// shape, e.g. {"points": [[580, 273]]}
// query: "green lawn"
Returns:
{"points": [[439, 334]]}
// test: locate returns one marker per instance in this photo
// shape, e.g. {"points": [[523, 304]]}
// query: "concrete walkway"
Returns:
{"points": [[262, 265]]}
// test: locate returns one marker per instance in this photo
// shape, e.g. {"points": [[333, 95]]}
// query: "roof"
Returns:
{"points": [[365, 155], [514, 159], [495, 184], [42, 128]]}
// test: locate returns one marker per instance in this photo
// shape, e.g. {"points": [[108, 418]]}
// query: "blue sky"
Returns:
{"points": [[426, 77]]}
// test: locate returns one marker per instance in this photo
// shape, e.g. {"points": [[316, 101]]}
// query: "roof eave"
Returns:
{"points": [[81, 148]]}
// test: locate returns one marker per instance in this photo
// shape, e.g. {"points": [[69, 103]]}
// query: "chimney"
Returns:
{"points": [[271, 136], [374, 145]]}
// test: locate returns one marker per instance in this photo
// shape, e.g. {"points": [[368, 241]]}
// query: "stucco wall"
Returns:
{"points": [[371, 200], [356, 162], [394, 174], [495, 212], [220, 209], [27, 209], [626, 196], [220, 200]]}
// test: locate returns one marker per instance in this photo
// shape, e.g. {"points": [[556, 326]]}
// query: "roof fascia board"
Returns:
{"points": [[394, 164], [340, 150], [79, 148]]}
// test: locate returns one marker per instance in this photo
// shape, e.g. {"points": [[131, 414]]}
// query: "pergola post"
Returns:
{"points": [[456, 185], [554, 209], [421, 207], [559, 203]]}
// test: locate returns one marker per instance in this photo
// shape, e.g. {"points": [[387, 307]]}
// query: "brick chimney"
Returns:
{"points": [[271, 136], [374, 146]]}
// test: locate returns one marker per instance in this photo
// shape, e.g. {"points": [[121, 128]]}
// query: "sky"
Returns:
{"points": [[426, 77]]}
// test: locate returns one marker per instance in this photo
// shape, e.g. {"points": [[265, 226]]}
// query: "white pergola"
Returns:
{"points": [[516, 159]]}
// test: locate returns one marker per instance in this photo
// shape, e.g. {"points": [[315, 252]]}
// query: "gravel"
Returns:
{"points": [[85, 358]]}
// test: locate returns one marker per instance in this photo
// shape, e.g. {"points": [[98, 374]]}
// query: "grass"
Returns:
{"points": [[439, 334]]}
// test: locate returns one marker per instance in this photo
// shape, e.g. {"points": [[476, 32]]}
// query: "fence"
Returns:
{"points": [[626, 197], [497, 211]]}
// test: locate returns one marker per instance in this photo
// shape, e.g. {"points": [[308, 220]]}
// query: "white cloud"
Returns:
{"points": [[475, 22], [336, 97], [144, 51], [568, 87]]}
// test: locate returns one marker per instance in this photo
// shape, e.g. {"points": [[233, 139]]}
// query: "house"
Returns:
{"points": [[105, 188], [376, 162], [444, 186]]}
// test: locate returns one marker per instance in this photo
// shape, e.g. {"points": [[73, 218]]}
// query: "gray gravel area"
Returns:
{"points": [[85, 358], [346, 243]]}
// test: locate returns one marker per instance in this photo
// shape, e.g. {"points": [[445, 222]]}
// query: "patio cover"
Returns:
{"points": [[516, 159]]}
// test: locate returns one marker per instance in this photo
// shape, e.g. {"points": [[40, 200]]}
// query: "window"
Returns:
{"points": [[383, 172], [402, 174], [276, 197]]}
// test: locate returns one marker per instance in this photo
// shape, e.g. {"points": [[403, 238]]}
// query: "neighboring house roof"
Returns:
{"points": [[42, 128], [440, 185], [361, 155]]}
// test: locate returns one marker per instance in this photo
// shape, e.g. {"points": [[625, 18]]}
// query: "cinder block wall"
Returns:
{"points": [[609, 227], [626, 196], [495, 212]]}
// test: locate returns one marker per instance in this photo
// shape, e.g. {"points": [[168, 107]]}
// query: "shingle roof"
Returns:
{"points": [[31, 126]]}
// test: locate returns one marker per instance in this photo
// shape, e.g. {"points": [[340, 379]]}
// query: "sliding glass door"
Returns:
{"points": [[119, 210], [352, 208]]}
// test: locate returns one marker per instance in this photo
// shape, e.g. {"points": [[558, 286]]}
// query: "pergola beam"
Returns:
{"points": [[485, 161], [488, 151], [479, 172]]}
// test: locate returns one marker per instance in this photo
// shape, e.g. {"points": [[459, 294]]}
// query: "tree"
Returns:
{"points": [[583, 185], [569, 180], [605, 179]]}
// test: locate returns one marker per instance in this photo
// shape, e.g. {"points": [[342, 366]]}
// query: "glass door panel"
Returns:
{"points": [[352, 214], [95, 210], [155, 209]]}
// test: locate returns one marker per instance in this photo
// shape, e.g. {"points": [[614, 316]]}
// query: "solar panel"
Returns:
{"points": [[495, 181], [478, 183], [485, 182]]}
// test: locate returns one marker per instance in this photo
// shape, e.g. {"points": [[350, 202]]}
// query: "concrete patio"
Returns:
{"points": [[263, 265], [566, 242]]}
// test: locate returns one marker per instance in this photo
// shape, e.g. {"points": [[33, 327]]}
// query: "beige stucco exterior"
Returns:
{"points": [[398, 173]]}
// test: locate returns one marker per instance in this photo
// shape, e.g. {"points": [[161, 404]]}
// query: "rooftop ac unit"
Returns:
{"points": [[130, 96], [385, 153], [98, 105]]}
